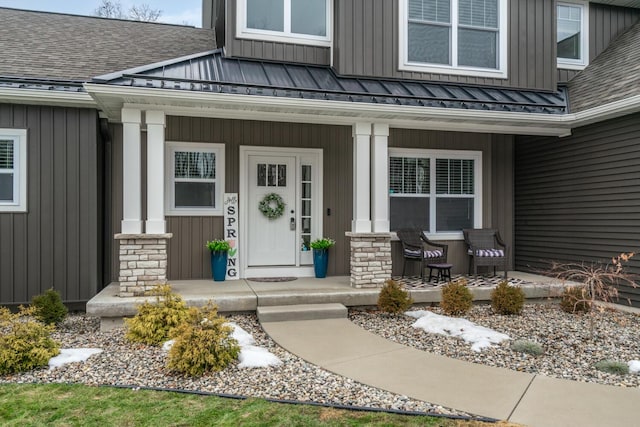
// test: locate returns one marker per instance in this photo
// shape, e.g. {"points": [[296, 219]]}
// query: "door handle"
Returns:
{"points": [[292, 224]]}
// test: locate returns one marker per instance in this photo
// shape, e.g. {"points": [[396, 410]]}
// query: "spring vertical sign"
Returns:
{"points": [[230, 206]]}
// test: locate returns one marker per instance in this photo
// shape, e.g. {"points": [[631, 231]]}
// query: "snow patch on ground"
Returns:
{"points": [[250, 356], [478, 336], [634, 366], [70, 355]]}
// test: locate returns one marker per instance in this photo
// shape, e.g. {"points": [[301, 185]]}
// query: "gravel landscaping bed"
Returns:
{"points": [[568, 351], [123, 363]]}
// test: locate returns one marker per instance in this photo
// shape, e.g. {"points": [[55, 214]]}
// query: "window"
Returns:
{"points": [[572, 35], [289, 21], [465, 37], [13, 170], [436, 191], [195, 178]]}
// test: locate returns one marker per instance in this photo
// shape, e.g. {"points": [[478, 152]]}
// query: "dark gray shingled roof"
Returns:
{"points": [[213, 72], [612, 76], [54, 46]]}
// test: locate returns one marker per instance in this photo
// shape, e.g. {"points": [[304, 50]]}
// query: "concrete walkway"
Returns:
{"points": [[339, 346]]}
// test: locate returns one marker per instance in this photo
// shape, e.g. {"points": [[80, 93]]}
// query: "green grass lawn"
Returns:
{"points": [[78, 405]]}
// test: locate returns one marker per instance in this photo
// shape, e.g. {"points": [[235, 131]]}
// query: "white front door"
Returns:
{"points": [[272, 241]]}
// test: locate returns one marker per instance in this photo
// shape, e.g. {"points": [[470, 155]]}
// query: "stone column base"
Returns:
{"points": [[143, 262], [370, 259]]}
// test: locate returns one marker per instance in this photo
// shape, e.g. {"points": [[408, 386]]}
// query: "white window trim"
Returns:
{"points": [[476, 156], [503, 29], [171, 148], [19, 203], [577, 64], [286, 36]]}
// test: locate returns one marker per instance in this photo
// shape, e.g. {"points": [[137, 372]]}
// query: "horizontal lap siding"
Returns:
{"points": [[578, 198], [367, 44], [268, 50], [188, 258], [605, 24], [57, 242], [497, 180]]}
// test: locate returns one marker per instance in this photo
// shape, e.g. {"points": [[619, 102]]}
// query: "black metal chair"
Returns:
{"points": [[416, 247], [485, 248]]}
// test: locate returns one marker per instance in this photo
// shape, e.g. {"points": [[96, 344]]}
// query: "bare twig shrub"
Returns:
{"points": [[600, 282]]}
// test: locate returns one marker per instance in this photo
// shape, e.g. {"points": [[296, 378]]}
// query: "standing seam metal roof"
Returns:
{"points": [[213, 72]]}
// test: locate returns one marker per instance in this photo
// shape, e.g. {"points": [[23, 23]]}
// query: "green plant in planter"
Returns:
{"points": [[323, 243], [218, 246]]}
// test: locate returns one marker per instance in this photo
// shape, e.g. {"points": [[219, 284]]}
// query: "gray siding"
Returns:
{"points": [[270, 50], [188, 258], [57, 243], [367, 44], [578, 198], [497, 182], [605, 24]]}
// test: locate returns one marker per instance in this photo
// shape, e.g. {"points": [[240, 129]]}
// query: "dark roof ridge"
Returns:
{"points": [[74, 15]]}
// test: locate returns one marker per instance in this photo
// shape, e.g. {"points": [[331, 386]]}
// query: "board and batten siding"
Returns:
{"points": [[367, 44], [497, 184], [268, 50], [578, 197], [57, 243], [188, 257], [605, 24]]}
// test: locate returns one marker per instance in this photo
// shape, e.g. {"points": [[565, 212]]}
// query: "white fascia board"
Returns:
{"points": [[607, 111], [112, 98], [46, 97]]}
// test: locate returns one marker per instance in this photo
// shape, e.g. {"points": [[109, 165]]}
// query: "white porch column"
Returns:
{"points": [[155, 172], [361, 175], [131, 172], [380, 178]]}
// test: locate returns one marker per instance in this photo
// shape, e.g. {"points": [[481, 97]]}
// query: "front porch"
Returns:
{"points": [[246, 295]]}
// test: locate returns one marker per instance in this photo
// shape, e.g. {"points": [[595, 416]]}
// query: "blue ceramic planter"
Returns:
{"points": [[320, 262], [219, 265]]}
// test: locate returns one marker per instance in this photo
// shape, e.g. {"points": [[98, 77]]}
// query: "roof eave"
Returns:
{"points": [[112, 98], [47, 97]]}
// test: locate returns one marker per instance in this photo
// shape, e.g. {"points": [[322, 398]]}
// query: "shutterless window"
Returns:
{"points": [[570, 33], [307, 19], [435, 193], [13, 170], [196, 184], [439, 35]]}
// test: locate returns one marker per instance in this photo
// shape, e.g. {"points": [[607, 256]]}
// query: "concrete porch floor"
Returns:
{"points": [[245, 295]]}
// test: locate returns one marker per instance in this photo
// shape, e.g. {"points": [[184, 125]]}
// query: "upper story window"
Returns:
{"points": [[462, 37], [572, 35], [13, 170], [195, 179], [289, 21], [439, 192]]}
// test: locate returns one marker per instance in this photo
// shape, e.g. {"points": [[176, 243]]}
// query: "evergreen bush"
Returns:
{"points": [[507, 299], [612, 367], [575, 299], [49, 308], [393, 299], [154, 321], [528, 347], [24, 343], [202, 344], [457, 299]]}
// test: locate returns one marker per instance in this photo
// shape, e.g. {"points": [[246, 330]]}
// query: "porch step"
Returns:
{"points": [[283, 313]]}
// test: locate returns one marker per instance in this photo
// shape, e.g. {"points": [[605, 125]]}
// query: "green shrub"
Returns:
{"points": [[457, 299], [506, 299], [529, 347], [154, 321], [393, 299], [24, 344], [49, 308], [202, 344], [612, 367], [575, 299]]}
